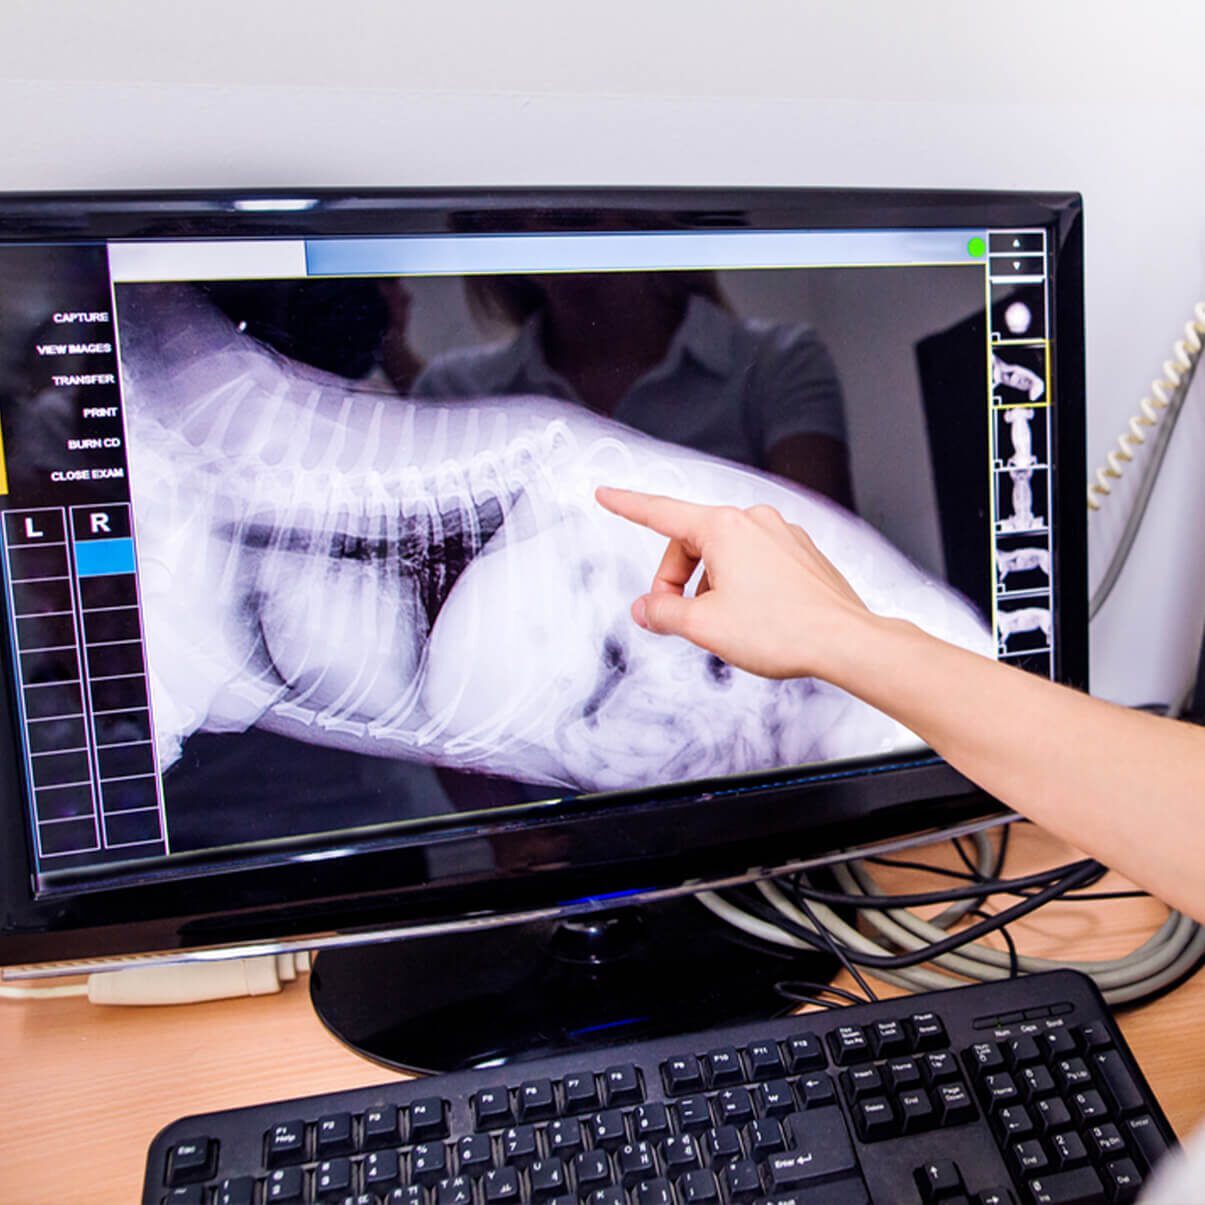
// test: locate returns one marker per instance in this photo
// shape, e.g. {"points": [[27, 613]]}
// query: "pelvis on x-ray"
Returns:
{"points": [[435, 581]]}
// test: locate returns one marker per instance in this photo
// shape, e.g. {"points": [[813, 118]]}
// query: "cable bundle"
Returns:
{"points": [[797, 914]]}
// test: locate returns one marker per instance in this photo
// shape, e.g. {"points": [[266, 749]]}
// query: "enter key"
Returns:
{"points": [[819, 1149]]}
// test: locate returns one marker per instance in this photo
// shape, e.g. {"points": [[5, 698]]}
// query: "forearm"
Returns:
{"points": [[1126, 787]]}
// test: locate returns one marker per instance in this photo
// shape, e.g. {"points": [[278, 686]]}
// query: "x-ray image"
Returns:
{"points": [[432, 581]]}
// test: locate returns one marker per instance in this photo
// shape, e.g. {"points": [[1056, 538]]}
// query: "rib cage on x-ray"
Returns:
{"points": [[434, 581]]}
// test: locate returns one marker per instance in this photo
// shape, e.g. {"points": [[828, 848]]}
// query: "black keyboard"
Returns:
{"points": [[1021, 1091]]}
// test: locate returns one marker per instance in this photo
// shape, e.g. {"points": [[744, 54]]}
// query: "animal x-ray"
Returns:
{"points": [[433, 581]]}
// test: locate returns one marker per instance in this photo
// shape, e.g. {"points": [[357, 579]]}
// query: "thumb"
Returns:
{"points": [[666, 614]]}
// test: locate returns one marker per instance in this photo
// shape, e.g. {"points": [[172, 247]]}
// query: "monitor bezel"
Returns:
{"points": [[586, 848]]}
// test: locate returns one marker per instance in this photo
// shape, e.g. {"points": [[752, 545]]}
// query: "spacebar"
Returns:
{"points": [[820, 1148]]}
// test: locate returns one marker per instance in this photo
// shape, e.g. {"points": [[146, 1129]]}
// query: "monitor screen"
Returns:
{"points": [[300, 548]]}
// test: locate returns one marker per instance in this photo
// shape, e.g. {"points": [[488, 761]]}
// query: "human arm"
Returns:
{"points": [[1124, 786]]}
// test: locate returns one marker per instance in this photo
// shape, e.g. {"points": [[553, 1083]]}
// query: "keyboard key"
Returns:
{"points": [[547, 1178], [928, 1033], [381, 1170], [565, 1136], [1051, 1114], [1094, 1036], [607, 1128], [724, 1144], [820, 1134], [332, 1177], [608, 1196], [804, 1053], [984, 1058], [502, 1184], [456, 1191], [682, 1074], [186, 1194], [381, 1127], [621, 1086], [743, 1181], [1106, 1141], [334, 1136], [636, 1162], [428, 1119], [1036, 1082], [410, 1194], [1022, 1051], [1068, 1150], [1146, 1139], [694, 1113], [940, 1067], [763, 1137], [519, 1144], [1087, 1107], [1000, 1091], [698, 1186], [873, 1118], [285, 1184], [193, 1159], [724, 1066], [765, 1061], [1014, 1122], [998, 1195], [954, 1105], [1058, 1044], [889, 1038], [1029, 1158], [679, 1153], [916, 1110], [654, 1192], [429, 1163], [938, 1178], [1117, 1084], [859, 1082], [775, 1098], [735, 1106], [535, 1100], [285, 1143], [591, 1170], [581, 1092], [902, 1073], [1072, 1075], [474, 1152], [816, 1091], [1123, 1180], [849, 1044], [237, 1190], [1067, 1188]]}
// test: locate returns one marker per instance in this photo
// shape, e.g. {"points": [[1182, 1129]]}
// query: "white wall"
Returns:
{"points": [[1074, 94]]}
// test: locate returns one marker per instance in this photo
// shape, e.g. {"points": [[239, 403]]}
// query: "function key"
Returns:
{"points": [[285, 1143], [849, 1044], [804, 1053], [765, 1061], [381, 1126], [334, 1135], [491, 1108], [681, 1074], [889, 1038], [621, 1085], [193, 1159], [581, 1092], [535, 1100], [724, 1066], [928, 1033], [428, 1119]]}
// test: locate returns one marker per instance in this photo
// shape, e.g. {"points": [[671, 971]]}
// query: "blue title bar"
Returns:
{"points": [[456, 255]]}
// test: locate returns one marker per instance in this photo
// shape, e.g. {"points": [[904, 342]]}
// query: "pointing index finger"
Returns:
{"points": [[667, 516]]}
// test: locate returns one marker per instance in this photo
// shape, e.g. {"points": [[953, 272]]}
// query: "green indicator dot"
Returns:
{"points": [[976, 247]]}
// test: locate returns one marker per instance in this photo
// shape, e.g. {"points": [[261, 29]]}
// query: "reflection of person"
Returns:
{"points": [[771, 603], [662, 352]]}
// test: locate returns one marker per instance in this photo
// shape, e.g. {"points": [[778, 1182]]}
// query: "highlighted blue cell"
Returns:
{"points": [[95, 558]]}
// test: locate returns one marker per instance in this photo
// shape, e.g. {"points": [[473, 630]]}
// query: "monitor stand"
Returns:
{"points": [[458, 1000]]}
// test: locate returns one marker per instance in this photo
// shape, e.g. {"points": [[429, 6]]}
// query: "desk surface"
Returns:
{"points": [[86, 1088]]}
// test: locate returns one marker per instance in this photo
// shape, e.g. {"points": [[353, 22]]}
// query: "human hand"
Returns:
{"points": [[768, 600]]}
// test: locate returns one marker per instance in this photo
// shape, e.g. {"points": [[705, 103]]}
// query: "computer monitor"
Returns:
{"points": [[315, 634]]}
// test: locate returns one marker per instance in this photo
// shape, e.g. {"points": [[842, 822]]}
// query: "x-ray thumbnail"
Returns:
{"points": [[1023, 563], [1023, 626], [1018, 311], [1019, 376]]}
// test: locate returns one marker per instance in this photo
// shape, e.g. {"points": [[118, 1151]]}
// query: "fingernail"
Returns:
{"points": [[640, 613]]}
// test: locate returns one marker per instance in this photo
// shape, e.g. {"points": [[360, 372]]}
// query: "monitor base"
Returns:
{"points": [[526, 990]]}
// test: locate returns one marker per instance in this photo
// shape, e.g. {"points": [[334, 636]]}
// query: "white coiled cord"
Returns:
{"points": [[1166, 391]]}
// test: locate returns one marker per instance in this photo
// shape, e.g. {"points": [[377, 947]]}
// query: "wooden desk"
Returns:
{"points": [[85, 1088]]}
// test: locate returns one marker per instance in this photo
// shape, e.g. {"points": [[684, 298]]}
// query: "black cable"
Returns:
{"points": [[787, 988], [1079, 873], [1085, 871], [966, 860], [1014, 963], [835, 947]]}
